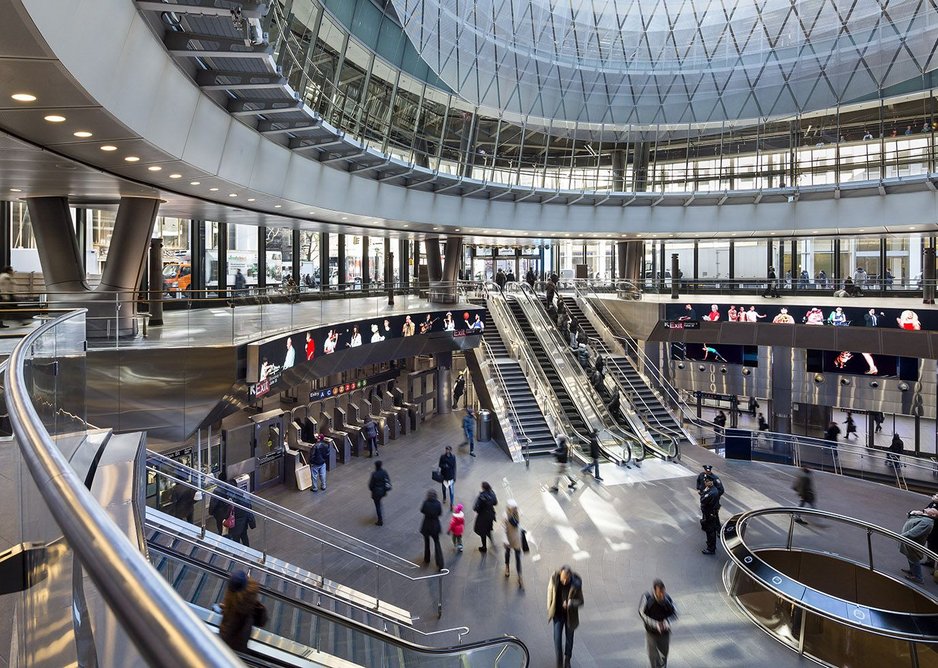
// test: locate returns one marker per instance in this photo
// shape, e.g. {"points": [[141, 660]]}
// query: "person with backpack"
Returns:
{"points": [[317, 462], [657, 612], [380, 484], [371, 433]]}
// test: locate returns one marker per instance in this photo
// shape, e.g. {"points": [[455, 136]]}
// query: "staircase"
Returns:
{"points": [[527, 419]]}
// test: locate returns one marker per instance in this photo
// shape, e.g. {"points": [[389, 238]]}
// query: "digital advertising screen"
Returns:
{"points": [[839, 315], [711, 352], [862, 364], [268, 359]]}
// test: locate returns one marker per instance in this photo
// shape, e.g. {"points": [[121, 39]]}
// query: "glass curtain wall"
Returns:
{"points": [[353, 259], [309, 259], [376, 263], [279, 255], [333, 259]]}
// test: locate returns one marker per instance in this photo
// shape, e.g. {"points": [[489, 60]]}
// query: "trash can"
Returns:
{"points": [[485, 425]]}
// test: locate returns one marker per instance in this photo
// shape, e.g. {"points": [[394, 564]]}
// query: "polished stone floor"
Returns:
{"points": [[619, 536]]}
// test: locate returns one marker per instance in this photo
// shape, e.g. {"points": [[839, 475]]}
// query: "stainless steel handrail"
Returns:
{"points": [[163, 630], [732, 536]]}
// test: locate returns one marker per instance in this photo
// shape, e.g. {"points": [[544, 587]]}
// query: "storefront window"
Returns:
{"points": [[309, 259], [334, 259], [353, 259], [713, 258], [816, 257], [279, 255], [375, 252], [903, 261]]}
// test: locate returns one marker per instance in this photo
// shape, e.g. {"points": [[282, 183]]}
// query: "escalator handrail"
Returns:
{"points": [[189, 472], [164, 632], [250, 566], [595, 404], [357, 626], [497, 303]]}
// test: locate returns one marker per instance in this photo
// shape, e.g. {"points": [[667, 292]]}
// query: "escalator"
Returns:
{"points": [[309, 624], [660, 421], [567, 404]]}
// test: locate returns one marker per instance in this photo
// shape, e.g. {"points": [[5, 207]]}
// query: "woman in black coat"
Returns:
{"points": [[432, 509], [244, 519], [485, 515], [218, 507]]}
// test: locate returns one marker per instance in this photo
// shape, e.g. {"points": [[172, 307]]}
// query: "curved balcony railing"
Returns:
{"points": [[836, 596], [60, 512], [831, 149]]}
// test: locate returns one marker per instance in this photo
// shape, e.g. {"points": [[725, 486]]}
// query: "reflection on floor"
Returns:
{"points": [[618, 536]]}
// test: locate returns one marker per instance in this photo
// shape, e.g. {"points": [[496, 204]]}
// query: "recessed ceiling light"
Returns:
{"points": [[277, 206], [108, 148], [232, 194], [194, 183], [154, 168], [15, 190], [913, 228], [344, 217], [55, 118], [23, 97], [251, 199], [312, 213], [175, 176], [214, 190], [82, 134], [131, 158], [405, 225], [861, 230]]}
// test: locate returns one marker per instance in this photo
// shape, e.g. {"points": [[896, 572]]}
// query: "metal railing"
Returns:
{"points": [[787, 599], [282, 526], [869, 285], [163, 631]]}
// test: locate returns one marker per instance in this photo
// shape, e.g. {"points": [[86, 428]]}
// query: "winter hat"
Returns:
{"points": [[238, 581], [458, 508]]}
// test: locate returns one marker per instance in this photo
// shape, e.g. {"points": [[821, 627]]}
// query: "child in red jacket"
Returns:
{"points": [[456, 524]]}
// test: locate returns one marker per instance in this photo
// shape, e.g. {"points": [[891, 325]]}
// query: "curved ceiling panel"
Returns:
{"points": [[669, 61]]}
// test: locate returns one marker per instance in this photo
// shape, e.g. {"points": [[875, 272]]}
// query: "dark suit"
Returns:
{"points": [[871, 320]]}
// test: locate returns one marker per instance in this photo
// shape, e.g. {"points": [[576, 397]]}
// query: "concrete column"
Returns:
{"points": [[444, 383], [434, 266], [340, 252], [323, 259], [928, 275], [112, 305], [222, 258], [403, 256], [640, 161], [197, 255], [81, 237], [619, 167], [156, 281], [366, 263], [296, 257], [781, 389], [6, 238]]}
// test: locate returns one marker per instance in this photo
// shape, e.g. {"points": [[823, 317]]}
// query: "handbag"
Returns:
{"points": [[304, 478], [437, 475], [524, 541], [229, 521]]}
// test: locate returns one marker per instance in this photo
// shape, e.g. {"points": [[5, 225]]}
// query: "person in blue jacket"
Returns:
{"points": [[469, 429]]}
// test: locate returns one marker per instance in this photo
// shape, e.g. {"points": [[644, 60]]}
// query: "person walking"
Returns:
{"points": [[564, 600], [918, 526], [753, 406], [484, 509], [657, 612], [469, 430], [763, 424], [219, 507], [710, 515], [432, 510], [804, 488], [183, 498], [241, 611], [771, 284], [896, 448], [500, 279], [371, 433], [513, 539], [459, 388], [380, 484], [878, 419], [594, 457], [317, 462], [447, 465], [720, 422], [851, 426], [244, 520], [562, 457], [830, 435], [457, 525]]}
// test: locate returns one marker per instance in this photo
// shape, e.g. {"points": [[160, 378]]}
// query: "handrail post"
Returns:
{"points": [[869, 546]]}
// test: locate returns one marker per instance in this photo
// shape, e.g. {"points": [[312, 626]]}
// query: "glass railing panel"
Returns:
{"points": [[839, 645]]}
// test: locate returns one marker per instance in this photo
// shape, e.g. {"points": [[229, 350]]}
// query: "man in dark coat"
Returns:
{"points": [[594, 457], [710, 515], [804, 488], [484, 509], [458, 389], [447, 465], [371, 433], [432, 509], [219, 507], [379, 483], [708, 473], [657, 611], [183, 497], [564, 599], [500, 279]]}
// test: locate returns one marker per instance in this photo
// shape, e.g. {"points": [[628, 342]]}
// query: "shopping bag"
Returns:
{"points": [[304, 478]]}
